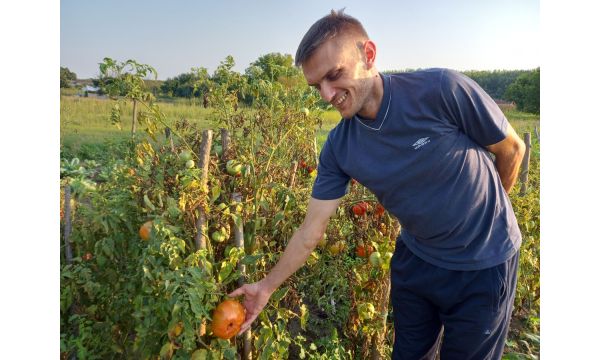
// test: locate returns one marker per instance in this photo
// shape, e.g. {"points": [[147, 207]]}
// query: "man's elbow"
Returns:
{"points": [[311, 236], [520, 149]]}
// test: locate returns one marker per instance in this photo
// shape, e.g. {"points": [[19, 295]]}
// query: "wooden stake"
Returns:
{"points": [[293, 177], [236, 198], [225, 143], [525, 164], [134, 119], [168, 136], [204, 154], [201, 237], [67, 231]]}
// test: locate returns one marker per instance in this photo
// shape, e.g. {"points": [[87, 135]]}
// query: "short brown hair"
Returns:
{"points": [[324, 29]]}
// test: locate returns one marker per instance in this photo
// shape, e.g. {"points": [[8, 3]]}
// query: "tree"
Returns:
{"points": [[525, 92], [126, 79], [495, 82], [273, 67], [66, 76]]}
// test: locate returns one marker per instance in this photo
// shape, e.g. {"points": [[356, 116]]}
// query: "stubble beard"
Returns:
{"points": [[361, 99]]}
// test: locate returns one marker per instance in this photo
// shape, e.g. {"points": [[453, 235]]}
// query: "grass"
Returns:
{"points": [[86, 121]]}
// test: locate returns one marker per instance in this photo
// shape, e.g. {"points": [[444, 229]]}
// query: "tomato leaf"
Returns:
{"points": [[226, 269], [279, 294], [251, 259]]}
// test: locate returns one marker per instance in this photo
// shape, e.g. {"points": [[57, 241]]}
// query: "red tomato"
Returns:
{"points": [[228, 318], [379, 210], [360, 209], [364, 251]]}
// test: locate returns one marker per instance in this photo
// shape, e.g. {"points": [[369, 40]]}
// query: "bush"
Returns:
{"points": [[525, 92]]}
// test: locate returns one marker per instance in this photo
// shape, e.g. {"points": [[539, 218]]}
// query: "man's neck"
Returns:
{"points": [[373, 104]]}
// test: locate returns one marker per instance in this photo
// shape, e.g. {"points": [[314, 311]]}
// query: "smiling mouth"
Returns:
{"points": [[341, 99]]}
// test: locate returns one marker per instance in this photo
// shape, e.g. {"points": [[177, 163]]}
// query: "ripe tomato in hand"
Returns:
{"points": [[228, 318]]}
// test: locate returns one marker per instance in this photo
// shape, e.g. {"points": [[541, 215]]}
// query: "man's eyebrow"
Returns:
{"points": [[329, 73]]}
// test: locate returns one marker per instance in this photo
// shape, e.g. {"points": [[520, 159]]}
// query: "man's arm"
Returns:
{"points": [[299, 248], [509, 154]]}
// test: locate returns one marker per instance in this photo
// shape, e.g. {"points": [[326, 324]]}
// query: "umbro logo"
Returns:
{"points": [[421, 142]]}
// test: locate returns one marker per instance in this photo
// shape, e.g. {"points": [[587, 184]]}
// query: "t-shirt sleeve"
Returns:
{"points": [[471, 109], [331, 182]]}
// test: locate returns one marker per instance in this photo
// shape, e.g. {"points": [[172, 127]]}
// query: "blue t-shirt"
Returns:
{"points": [[424, 158]]}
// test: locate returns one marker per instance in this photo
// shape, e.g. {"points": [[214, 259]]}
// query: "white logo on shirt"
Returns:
{"points": [[420, 142]]}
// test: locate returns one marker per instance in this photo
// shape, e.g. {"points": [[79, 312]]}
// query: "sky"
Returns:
{"points": [[174, 36]]}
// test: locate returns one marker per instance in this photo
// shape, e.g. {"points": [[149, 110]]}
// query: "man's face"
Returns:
{"points": [[338, 70]]}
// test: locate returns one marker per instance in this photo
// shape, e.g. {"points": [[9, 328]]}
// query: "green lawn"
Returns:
{"points": [[86, 121]]}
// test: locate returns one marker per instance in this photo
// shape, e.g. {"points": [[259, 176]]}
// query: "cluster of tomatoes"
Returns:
{"points": [[360, 211], [363, 208], [303, 166]]}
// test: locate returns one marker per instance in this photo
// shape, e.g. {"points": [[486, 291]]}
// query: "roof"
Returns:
{"points": [[90, 88]]}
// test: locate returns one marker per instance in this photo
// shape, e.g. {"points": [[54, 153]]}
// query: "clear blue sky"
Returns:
{"points": [[174, 36]]}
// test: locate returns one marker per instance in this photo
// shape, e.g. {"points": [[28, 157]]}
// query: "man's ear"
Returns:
{"points": [[370, 54]]}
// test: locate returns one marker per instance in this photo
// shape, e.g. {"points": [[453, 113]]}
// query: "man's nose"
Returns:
{"points": [[327, 92]]}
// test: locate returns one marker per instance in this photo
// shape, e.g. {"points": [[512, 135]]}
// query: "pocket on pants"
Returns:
{"points": [[500, 273]]}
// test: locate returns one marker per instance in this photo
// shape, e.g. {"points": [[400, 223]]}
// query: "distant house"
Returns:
{"points": [[89, 91]]}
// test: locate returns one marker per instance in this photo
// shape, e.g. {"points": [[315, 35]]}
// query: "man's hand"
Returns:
{"points": [[256, 296]]}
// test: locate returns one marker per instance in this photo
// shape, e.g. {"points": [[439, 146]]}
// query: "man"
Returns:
{"points": [[420, 142]]}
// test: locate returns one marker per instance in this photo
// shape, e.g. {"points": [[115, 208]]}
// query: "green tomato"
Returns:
{"points": [[375, 259], [366, 311], [233, 167], [218, 236], [189, 164], [185, 155]]}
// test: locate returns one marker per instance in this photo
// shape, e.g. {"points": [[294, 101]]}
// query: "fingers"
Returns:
{"points": [[238, 292], [246, 325]]}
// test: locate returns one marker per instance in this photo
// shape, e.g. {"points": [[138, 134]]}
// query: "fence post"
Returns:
{"points": [[67, 230], [525, 165], [293, 177], [168, 135], [225, 143], [201, 238], [134, 118], [238, 227], [204, 156]]}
